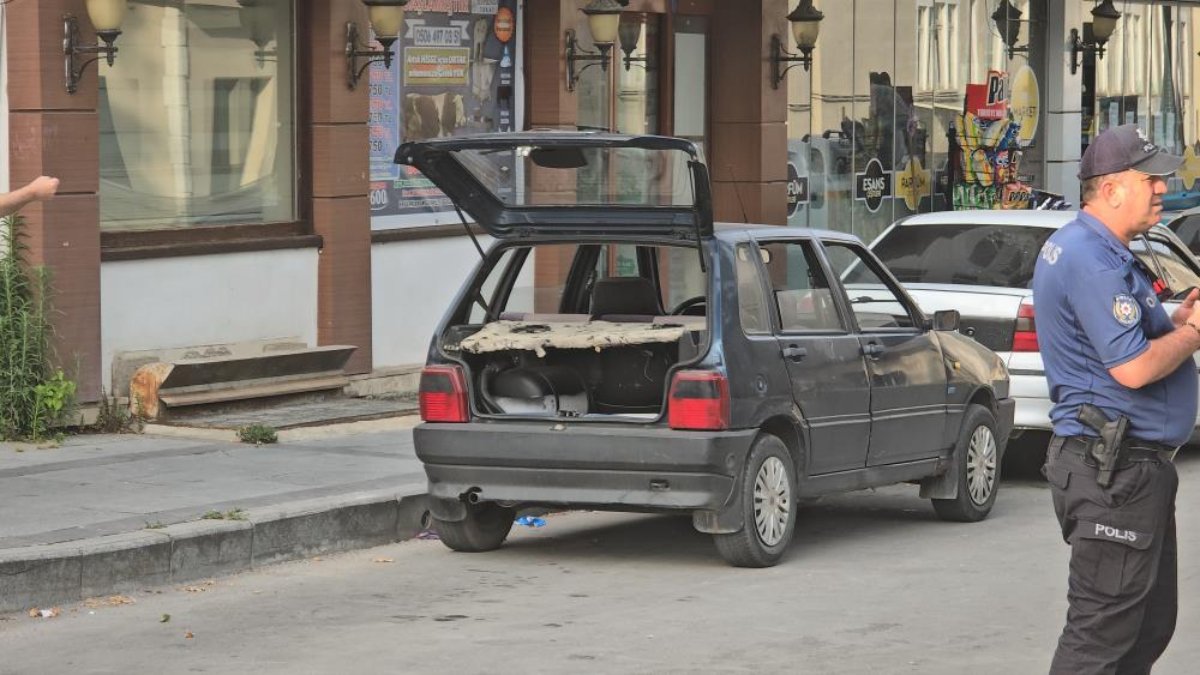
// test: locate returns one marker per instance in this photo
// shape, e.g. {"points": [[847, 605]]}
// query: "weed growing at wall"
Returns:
{"points": [[34, 397], [258, 434]]}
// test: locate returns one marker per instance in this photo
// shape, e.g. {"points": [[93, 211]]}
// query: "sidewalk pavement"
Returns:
{"points": [[106, 514]]}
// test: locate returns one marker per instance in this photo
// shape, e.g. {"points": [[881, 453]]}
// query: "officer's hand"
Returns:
{"points": [[1188, 310]]}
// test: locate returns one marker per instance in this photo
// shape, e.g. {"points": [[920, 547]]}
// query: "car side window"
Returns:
{"points": [[519, 299], [752, 306], [876, 304], [1167, 262], [1189, 231], [803, 299]]}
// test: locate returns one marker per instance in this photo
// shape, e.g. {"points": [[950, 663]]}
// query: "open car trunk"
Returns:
{"points": [[568, 366]]}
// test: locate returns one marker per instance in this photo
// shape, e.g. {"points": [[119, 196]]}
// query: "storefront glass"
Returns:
{"points": [[1147, 77], [197, 117], [876, 128], [455, 73]]}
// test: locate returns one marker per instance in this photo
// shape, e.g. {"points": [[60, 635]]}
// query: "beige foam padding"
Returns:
{"points": [[536, 336]]}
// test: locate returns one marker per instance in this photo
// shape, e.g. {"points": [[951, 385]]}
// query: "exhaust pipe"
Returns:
{"points": [[472, 495]]}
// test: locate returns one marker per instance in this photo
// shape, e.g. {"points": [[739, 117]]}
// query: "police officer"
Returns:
{"points": [[1106, 341]]}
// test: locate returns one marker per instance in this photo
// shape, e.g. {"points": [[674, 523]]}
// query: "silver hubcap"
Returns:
{"points": [[981, 465], [772, 500]]}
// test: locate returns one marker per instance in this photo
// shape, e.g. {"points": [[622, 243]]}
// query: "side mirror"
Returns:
{"points": [[946, 320]]}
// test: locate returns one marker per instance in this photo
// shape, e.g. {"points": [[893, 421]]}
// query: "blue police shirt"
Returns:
{"points": [[1095, 311]]}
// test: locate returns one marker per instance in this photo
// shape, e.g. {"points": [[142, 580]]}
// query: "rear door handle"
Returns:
{"points": [[795, 353], [872, 349]]}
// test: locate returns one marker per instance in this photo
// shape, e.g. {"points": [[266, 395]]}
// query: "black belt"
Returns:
{"points": [[1132, 449]]}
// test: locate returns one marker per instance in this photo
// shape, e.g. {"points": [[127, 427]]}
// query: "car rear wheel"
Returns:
{"points": [[978, 466], [484, 529], [768, 496]]}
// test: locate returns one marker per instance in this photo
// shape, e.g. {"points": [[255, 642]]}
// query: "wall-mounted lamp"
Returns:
{"points": [[257, 17], [106, 16], [603, 17], [628, 34], [1008, 21], [1104, 23], [806, 25], [387, 19]]}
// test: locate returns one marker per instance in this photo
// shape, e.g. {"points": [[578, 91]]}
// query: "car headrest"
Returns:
{"points": [[624, 295]]}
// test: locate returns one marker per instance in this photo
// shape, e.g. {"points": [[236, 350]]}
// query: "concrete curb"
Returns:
{"points": [[38, 576]]}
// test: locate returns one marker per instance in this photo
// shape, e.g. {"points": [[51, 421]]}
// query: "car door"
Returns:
{"points": [[824, 359], [908, 376]]}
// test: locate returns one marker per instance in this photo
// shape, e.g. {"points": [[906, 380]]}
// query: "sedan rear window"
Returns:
{"points": [[962, 253]]}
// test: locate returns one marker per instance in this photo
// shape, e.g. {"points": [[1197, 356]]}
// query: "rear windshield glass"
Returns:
{"points": [[960, 253], [588, 176]]}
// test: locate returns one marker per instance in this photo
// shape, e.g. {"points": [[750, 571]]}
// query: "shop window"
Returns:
{"points": [[1145, 78], [197, 119], [455, 73]]}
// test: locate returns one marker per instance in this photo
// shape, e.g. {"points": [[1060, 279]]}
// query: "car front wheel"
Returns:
{"points": [[768, 502], [978, 467], [484, 529]]}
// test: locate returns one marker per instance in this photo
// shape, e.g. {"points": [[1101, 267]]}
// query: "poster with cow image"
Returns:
{"points": [[453, 74]]}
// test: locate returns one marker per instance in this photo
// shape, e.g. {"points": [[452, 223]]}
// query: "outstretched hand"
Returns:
{"points": [[1187, 309], [42, 188]]}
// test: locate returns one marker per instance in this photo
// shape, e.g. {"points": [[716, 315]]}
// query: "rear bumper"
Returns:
{"points": [[1032, 395], [609, 466]]}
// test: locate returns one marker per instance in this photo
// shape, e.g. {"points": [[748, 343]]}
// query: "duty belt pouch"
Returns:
{"points": [[1106, 450]]}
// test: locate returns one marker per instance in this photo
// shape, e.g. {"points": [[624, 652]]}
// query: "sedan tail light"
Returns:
{"points": [[443, 394], [1025, 332], [699, 400]]}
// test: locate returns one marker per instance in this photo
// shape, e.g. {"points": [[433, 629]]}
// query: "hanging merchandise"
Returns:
{"points": [[986, 150]]}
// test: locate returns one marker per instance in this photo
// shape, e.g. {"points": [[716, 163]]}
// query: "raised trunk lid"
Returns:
{"points": [[551, 184]]}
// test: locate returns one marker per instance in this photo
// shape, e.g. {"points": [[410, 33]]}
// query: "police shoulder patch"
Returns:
{"points": [[1126, 310]]}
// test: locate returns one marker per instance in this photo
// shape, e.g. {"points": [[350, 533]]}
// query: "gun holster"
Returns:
{"points": [[1106, 450]]}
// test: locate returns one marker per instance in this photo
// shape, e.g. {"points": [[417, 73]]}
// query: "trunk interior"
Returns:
{"points": [[625, 377]]}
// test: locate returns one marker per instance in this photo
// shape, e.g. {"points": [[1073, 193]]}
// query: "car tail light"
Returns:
{"points": [[443, 394], [699, 400], [1025, 332]]}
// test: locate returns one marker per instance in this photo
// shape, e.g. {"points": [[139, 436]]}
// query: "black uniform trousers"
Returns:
{"points": [[1123, 584]]}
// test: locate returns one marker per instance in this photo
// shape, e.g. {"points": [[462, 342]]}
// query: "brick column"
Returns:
{"points": [[748, 161], [55, 133], [338, 155], [549, 104]]}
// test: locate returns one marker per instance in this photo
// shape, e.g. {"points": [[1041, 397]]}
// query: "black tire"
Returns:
{"points": [[770, 479], [484, 529], [978, 465]]}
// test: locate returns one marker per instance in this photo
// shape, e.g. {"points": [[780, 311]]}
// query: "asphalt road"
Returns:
{"points": [[874, 584]]}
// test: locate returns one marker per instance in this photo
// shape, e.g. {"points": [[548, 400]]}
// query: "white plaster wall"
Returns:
{"points": [[412, 284], [205, 300]]}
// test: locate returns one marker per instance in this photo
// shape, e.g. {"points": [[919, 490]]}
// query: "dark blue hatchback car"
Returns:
{"points": [[616, 350]]}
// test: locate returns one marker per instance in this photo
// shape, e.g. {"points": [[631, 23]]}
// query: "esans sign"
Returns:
{"points": [[873, 185]]}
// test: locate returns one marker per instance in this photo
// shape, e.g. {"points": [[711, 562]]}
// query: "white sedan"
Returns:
{"points": [[981, 263]]}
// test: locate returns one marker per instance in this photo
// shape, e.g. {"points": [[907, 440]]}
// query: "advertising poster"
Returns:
{"points": [[453, 74], [987, 147]]}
